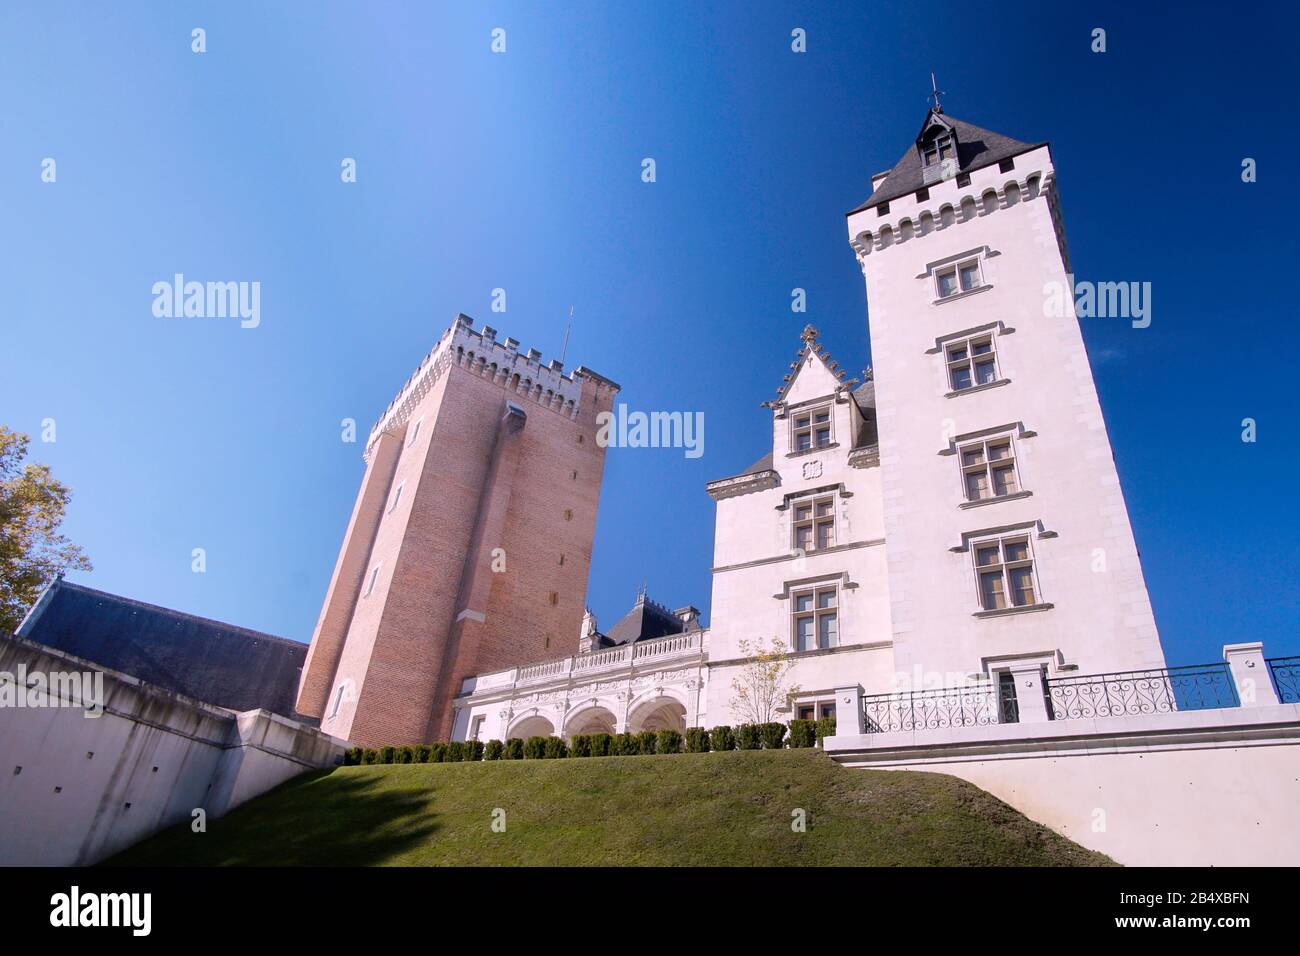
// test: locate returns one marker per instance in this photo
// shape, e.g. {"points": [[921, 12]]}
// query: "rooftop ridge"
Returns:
{"points": [[173, 613]]}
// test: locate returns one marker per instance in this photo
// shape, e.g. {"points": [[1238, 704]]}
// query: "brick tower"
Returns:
{"points": [[470, 541]]}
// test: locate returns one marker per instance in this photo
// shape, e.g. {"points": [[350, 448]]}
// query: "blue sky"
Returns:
{"points": [[522, 171]]}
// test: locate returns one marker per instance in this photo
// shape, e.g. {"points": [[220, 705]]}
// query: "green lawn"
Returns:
{"points": [[729, 809]]}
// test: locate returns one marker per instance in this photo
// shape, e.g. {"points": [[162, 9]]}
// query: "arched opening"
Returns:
{"points": [[591, 720], [662, 713], [533, 727]]}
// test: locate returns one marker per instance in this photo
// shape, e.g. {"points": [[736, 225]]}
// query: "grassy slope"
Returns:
{"points": [[689, 809]]}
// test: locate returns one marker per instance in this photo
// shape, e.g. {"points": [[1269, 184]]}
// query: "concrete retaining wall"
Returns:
{"points": [[76, 789]]}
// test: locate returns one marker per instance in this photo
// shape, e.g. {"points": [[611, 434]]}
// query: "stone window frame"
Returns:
{"points": [[978, 256], [1005, 566], [821, 707], [995, 331], [1015, 432], [988, 465], [813, 499], [397, 497], [810, 412], [1031, 531], [816, 612], [414, 431]]}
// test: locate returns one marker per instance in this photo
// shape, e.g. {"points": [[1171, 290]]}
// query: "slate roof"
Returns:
{"points": [[646, 621], [216, 663], [976, 148]]}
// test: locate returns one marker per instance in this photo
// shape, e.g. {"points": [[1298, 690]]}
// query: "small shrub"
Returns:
{"points": [[825, 728], [722, 738], [668, 742], [749, 737], [474, 750], [437, 753], [458, 750], [535, 748], [803, 733], [514, 749], [369, 756], [580, 746], [697, 740], [555, 748], [625, 745], [773, 735], [602, 745], [352, 757], [494, 750], [645, 741], [422, 752], [387, 754], [405, 754]]}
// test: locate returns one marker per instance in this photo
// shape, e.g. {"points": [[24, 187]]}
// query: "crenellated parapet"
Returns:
{"points": [[520, 374]]}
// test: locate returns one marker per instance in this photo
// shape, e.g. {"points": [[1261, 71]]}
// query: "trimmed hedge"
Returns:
{"points": [[825, 728], [770, 736], [803, 733], [668, 741]]}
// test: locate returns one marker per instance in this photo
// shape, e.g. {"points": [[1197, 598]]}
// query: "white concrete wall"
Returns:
{"points": [[1194, 788], [1086, 558], [163, 754]]}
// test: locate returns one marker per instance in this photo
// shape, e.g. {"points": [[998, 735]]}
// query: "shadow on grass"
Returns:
{"points": [[320, 819]]}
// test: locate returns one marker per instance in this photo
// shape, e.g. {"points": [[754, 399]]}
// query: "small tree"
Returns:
{"points": [[32, 552], [763, 683]]}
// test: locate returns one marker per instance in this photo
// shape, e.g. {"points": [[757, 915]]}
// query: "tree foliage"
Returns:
{"points": [[32, 552], [761, 687]]}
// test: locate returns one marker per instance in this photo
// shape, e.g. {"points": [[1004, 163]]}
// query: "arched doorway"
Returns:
{"points": [[591, 720], [660, 713], [533, 727]]}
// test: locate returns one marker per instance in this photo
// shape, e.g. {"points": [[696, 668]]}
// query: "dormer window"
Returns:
{"points": [[938, 149], [812, 429]]}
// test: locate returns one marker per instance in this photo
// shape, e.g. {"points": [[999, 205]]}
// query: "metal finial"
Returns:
{"points": [[809, 334], [936, 93]]}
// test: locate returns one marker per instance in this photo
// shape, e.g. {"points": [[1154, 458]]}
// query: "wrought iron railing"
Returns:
{"points": [[1137, 693], [973, 705], [1286, 678]]}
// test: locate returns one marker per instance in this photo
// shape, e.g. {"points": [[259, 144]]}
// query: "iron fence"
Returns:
{"points": [[1137, 693], [1286, 678], [973, 705]]}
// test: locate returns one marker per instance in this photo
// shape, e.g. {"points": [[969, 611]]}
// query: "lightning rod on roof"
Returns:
{"points": [[936, 93]]}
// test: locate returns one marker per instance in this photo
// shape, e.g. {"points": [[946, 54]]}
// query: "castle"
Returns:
{"points": [[959, 518]]}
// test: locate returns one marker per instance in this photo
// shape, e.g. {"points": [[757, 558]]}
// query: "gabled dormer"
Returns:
{"points": [[936, 146]]}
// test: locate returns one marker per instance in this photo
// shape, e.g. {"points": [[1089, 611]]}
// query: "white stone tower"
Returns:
{"points": [[1008, 537]]}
